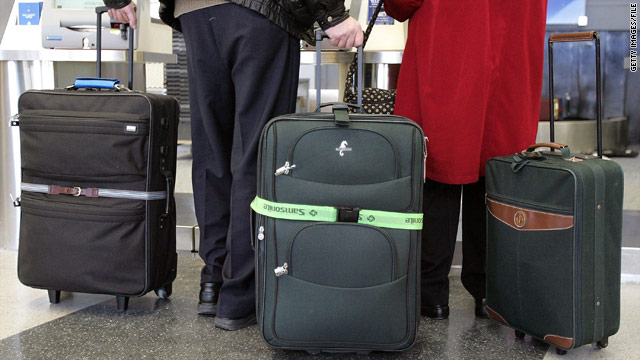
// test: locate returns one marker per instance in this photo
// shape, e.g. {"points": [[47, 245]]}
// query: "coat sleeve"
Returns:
{"points": [[401, 10], [116, 4]]}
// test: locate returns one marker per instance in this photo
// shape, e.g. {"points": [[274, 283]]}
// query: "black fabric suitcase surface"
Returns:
{"points": [[98, 212], [554, 240]]}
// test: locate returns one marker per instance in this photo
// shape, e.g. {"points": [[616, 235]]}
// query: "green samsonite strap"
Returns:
{"points": [[385, 219]]}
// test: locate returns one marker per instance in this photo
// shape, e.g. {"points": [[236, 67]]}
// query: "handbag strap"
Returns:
{"points": [[354, 63]]}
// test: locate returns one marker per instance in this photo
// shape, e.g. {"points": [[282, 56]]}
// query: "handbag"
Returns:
{"points": [[374, 100]]}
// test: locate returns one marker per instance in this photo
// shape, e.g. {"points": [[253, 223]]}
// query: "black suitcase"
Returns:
{"points": [[97, 203], [338, 231], [554, 225]]}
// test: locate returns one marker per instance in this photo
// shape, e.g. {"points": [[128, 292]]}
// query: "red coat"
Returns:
{"points": [[471, 76]]}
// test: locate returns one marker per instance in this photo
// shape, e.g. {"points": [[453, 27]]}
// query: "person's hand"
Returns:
{"points": [[346, 35], [126, 15]]}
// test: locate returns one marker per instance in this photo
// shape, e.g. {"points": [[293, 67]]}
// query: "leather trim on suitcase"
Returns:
{"points": [[561, 341], [496, 316], [528, 220]]}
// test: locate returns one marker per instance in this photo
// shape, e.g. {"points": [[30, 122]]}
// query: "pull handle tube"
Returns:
{"points": [[576, 37]]}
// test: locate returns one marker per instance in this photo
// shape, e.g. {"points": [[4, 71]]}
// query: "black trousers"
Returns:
{"points": [[243, 71], [441, 213]]}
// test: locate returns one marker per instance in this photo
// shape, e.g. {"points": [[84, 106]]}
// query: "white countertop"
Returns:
{"points": [[88, 55]]}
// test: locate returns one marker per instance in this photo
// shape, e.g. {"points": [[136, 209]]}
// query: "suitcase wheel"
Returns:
{"points": [[54, 296], [123, 302], [560, 351], [164, 291], [603, 343], [519, 334]]}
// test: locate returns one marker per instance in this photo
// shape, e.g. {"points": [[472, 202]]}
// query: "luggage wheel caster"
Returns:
{"points": [[560, 351], [164, 291], [123, 302], [602, 343], [54, 296], [519, 334]]}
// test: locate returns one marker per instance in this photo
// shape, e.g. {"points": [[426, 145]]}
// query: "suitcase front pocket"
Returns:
{"points": [[336, 275], [530, 267], [342, 255], [343, 156], [307, 312], [84, 145], [80, 244]]}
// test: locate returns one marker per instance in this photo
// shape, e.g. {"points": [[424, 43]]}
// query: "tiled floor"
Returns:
{"points": [[85, 326], [90, 327]]}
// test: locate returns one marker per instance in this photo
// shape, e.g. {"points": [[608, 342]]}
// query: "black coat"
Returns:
{"points": [[294, 16]]}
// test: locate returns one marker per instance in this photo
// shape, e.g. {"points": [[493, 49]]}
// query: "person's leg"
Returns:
{"points": [[474, 236], [441, 213], [212, 118], [264, 62]]}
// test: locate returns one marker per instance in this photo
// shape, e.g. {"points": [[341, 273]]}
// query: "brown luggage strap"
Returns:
{"points": [[94, 192], [75, 191]]}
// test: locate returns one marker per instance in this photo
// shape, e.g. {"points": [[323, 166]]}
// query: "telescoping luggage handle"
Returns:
{"points": [[103, 83], [340, 109], [575, 37]]}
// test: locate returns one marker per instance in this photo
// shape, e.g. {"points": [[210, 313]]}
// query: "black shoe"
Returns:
{"points": [[208, 299], [437, 312], [481, 308], [234, 324]]}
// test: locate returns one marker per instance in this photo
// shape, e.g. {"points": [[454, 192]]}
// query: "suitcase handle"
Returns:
{"points": [[575, 37], [334, 104], [564, 149], [319, 34], [99, 11]]}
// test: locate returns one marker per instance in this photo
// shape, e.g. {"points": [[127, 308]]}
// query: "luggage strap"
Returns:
{"points": [[94, 192], [385, 219]]}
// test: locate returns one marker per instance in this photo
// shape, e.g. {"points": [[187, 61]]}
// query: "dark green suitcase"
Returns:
{"points": [[553, 239], [338, 231]]}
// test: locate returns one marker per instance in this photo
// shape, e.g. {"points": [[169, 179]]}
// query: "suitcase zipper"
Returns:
{"points": [[281, 270], [116, 124], [284, 169], [64, 114], [31, 202]]}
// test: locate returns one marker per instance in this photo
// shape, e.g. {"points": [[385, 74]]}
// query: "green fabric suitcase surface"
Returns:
{"points": [[553, 246], [554, 232], [338, 231]]}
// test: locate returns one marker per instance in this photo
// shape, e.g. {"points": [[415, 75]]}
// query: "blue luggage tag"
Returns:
{"points": [[96, 83]]}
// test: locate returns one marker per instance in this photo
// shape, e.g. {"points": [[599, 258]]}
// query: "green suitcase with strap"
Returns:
{"points": [[338, 221]]}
